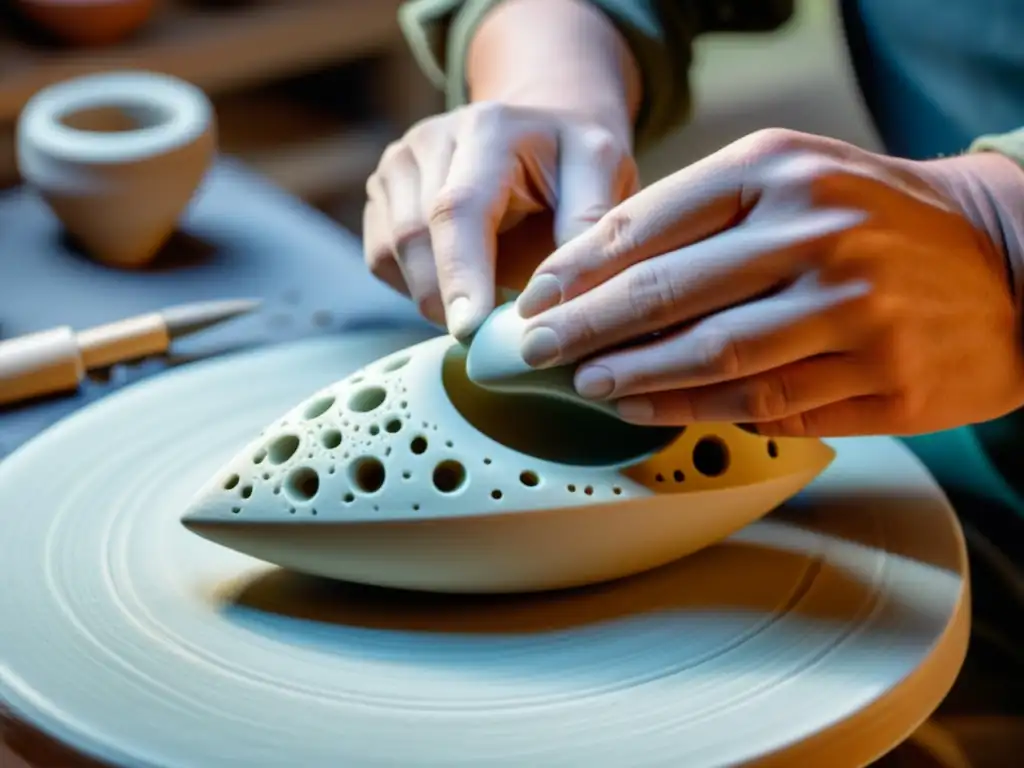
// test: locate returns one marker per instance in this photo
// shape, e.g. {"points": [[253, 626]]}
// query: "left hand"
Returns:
{"points": [[798, 284]]}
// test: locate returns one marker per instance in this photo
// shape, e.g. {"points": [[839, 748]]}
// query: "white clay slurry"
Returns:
{"points": [[819, 636], [345, 484]]}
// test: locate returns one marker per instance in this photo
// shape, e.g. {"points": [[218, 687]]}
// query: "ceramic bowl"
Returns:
{"points": [[87, 22], [406, 474]]}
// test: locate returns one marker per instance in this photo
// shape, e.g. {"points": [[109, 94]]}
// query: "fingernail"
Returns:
{"points": [[542, 292], [595, 382], [459, 317], [540, 347], [639, 409]]}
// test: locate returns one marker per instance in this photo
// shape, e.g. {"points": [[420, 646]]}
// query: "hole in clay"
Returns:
{"points": [[570, 488], [394, 365], [711, 456], [496, 494], [545, 427], [231, 482], [246, 491], [616, 490], [368, 474], [589, 490], [318, 407], [678, 476], [349, 497], [415, 507], [117, 118], [529, 479], [282, 449], [302, 484], [374, 429], [330, 439], [449, 476], [407, 474], [367, 399], [418, 445], [259, 456], [393, 425], [659, 477], [448, 443], [236, 510], [487, 461], [773, 449]]}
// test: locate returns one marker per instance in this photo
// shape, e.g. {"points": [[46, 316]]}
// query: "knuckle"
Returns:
{"points": [[718, 354], [601, 146], [770, 142], [453, 204], [650, 292], [396, 153], [616, 235], [765, 399]]}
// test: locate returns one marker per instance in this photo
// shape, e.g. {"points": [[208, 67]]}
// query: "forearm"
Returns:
{"points": [[555, 54]]}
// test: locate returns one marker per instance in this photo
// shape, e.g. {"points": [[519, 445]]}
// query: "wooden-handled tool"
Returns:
{"points": [[56, 360]]}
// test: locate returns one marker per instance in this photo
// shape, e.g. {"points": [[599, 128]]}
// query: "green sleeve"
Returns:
{"points": [[659, 33]]}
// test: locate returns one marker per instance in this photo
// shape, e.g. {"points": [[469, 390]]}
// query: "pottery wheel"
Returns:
{"points": [[822, 635]]}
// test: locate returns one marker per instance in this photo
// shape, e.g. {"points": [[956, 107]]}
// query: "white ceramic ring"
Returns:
{"points": [[182, 113]]}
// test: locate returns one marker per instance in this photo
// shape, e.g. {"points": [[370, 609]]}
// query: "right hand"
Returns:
{"points": [[443, 193]]}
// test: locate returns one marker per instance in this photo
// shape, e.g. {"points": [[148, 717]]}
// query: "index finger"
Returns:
{"points": [[703, 199], [467, 213]]}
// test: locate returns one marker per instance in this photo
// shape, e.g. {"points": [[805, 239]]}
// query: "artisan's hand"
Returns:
{"points": [[444, 192], [799, 284]]}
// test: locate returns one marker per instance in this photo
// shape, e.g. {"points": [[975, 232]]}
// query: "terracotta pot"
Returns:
{"points": [[87, 22], [118, 157]]}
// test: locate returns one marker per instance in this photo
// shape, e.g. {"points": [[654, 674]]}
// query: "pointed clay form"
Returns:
{"points": [[117, 157], [405, 474], [87, 22]]}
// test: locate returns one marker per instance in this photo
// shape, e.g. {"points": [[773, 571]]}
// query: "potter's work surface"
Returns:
{"points": [[821, 635]]}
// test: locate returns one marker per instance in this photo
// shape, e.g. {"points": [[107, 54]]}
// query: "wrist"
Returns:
{"points": [[558, 55]]}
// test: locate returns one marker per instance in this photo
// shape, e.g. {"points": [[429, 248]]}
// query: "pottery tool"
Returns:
{"points": [[820, 635], [56, 360], [406, 474]]}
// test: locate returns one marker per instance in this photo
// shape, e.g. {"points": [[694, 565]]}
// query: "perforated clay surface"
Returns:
{"points": [[409, 436]]}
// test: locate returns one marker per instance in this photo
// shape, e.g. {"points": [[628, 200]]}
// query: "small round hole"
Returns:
{"points": [[330, 439], [449, 476], [711, 456], [367, 399], [393, 425], [236, 510], [415, 507], [773, 449], [659, 477], [418, 445], [368, 474], [529, 479], [496, 494], [318, 407], [246, 491], [678, 476], [589, 490], [231, 482], [571, 488], [406, 475], [393, 365], [349, 497], [282, 449], [374, 430], [302, 484], [616, 490], [487, 461]]}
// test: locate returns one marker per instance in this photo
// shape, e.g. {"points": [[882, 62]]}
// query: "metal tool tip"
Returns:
{"points": [[192, 318]]}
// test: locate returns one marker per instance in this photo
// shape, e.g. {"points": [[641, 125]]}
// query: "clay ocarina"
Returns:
{"points": [[118, 157], [407, 474]]}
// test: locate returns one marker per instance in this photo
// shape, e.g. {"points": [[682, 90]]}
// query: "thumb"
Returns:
{"points": [[594, 174]]}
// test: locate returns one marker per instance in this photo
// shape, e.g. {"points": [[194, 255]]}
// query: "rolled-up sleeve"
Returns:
{"points": [[659, 33]]}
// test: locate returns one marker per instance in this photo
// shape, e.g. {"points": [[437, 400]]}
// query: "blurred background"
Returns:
{"points": [[308, 92]]}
